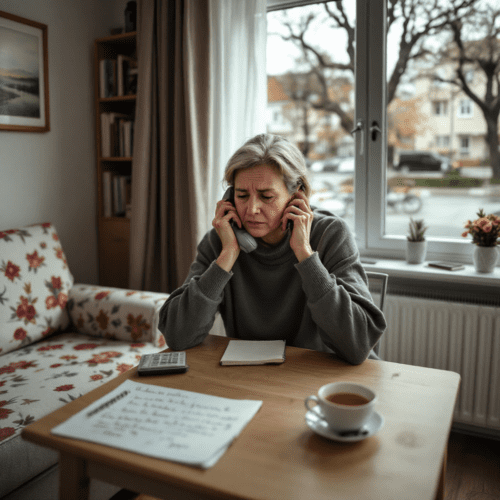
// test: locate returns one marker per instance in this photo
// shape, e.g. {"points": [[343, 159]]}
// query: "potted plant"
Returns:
{"points": [[416, 246], [485, 231]]}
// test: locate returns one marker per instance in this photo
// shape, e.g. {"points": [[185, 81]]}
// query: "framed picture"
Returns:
{"points": [[24, 76]]}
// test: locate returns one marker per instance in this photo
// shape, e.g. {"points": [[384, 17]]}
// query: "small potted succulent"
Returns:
{"points": [[485, 232], [416, 246]]}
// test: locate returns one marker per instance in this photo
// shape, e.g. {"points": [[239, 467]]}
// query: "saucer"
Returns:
{"points": [[321, 427]]}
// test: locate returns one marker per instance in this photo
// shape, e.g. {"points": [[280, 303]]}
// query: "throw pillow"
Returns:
{"points": [[117, 313], [34, 285]]}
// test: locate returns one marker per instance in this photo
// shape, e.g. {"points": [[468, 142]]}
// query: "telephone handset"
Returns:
{"points": [[245, 240], [289, 223]]}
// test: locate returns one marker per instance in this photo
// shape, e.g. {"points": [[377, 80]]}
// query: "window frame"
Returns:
{"points": [[440, 107], [465, 102], [370, 179]]}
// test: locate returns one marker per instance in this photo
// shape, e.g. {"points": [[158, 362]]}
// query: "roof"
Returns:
{"points": [[275, 91]]}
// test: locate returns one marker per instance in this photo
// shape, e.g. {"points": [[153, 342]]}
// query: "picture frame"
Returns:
{"points": [[24, 75]]}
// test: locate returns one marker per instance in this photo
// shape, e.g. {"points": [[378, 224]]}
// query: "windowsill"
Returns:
{"points": [[400, 269]]}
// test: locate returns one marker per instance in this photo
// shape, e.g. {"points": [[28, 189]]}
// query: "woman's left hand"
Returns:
{"points": [[300, 213]]}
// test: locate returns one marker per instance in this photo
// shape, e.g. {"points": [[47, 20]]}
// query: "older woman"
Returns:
{"points": [[305, 285]]}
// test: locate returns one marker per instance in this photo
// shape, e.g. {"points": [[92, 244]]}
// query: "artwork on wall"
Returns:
{"points": [[24, 78]]}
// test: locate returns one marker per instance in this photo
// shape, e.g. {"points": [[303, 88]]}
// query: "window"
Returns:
{"points": [[465, 109], [391, 112], [464, 145], [323, 135], [442, 141], [440, 108]]}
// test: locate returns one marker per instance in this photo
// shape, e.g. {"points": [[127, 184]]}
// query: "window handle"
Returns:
{"points": [[374, 130], [359, 128]]}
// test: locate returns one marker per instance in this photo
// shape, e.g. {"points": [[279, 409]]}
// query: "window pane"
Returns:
{"points": [[439, 162], [310, 68]]}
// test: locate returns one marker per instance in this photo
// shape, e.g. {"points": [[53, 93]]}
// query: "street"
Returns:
{"points": [[444, 210]]}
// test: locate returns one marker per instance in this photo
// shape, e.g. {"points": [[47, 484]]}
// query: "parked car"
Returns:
{"points": [[326, 165], [346, 165], [411, 161], [336, 164]]}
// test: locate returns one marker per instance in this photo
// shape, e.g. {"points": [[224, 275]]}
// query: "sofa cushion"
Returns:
{"points": [[117, 313], [34, 285], [43, 376]]}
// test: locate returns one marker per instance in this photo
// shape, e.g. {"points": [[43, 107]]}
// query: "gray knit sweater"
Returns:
{"points": [[321, 303]]}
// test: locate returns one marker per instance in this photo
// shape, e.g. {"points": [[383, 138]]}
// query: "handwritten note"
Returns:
{"points": [[171, 424]]}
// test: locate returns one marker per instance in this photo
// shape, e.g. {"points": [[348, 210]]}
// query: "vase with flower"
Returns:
{"points": [[485, 231]]}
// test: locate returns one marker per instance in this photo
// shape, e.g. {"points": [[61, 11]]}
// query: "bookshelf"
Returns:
{"points": [[115, 69]]}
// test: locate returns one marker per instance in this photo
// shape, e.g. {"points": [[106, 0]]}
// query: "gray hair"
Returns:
{"points": [[274, 150]]}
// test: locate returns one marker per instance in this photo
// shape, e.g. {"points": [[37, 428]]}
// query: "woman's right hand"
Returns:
{"points": [[224, 213]]}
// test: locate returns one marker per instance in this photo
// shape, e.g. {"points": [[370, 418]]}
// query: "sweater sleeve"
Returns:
{"points": [[189, 313], [338, 298]]}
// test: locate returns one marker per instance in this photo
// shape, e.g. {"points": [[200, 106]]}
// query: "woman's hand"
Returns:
{"points": [[224, 213], [300, 213]]}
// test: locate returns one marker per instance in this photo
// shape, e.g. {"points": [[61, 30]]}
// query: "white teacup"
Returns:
{"points": [[346, 406]]}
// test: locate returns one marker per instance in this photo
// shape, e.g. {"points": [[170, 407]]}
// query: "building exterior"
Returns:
{"points": [[455, 125]]}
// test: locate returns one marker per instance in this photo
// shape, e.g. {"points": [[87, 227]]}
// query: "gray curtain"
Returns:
{"points": [[170, 141]]}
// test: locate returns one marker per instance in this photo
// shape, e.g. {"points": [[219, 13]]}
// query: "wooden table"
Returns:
{"points": [[277, 455]]}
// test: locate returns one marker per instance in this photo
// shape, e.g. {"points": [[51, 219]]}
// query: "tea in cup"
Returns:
{"points": [[345, 406]]}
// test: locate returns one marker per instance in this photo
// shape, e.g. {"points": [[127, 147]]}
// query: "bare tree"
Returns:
{"points": [[304, 91], [301, 90], [481, 55], [418, 19]]}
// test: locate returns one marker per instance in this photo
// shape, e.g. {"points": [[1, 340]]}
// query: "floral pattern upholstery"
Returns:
{"points": [[58, 340], [39, 378], [115, 313], [34, 285]]}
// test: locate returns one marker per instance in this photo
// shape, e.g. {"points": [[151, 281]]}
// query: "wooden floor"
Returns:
{"points": [[472, 473], [473, 469]]}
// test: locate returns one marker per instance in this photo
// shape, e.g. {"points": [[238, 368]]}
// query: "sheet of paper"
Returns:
{"points": [[161, 422]]}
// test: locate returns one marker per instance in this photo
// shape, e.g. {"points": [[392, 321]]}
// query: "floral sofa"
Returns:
{"points": [[58, 340]]}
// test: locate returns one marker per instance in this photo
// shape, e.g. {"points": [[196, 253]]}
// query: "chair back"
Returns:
{"points": [[377, 284]]}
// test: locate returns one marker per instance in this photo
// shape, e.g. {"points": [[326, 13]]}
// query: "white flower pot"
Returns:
{"points": [[485, 259], [415, 251]]}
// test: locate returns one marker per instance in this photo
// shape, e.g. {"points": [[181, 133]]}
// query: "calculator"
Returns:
{"points": [[162, 363]]}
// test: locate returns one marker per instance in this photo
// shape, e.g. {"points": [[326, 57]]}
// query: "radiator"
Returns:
{"points": [[461, 337]]}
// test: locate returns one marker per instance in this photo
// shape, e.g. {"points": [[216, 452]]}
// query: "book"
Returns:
{"points": [[117, 197], [107, 180], [107, 77], [170, 424], [448, 266], [254, 352], [126, 67], [113, 140], [121, 188]]}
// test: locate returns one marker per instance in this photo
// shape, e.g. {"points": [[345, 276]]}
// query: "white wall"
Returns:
{"points": [[51, 176]]}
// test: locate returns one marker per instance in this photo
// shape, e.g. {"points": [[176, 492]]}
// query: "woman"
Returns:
{"points": [[305, 285]]}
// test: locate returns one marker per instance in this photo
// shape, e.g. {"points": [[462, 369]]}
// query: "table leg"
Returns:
{"points": [[440, 494], [73, 479]]}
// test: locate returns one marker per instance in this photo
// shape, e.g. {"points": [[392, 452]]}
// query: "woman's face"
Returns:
{"points": [[260, 198]]}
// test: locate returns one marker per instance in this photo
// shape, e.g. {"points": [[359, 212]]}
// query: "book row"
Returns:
{"points": [[117, 135], [118, 77], [116, 194]]}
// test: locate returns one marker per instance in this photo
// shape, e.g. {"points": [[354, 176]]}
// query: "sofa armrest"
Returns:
{"points": [[116, 313]]}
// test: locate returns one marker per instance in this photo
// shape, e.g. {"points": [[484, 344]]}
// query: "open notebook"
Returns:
{"points": [[254, 352]]}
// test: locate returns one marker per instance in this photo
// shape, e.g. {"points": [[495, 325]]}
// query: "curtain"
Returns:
{"points": [[201, 93], [238, 81]]}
